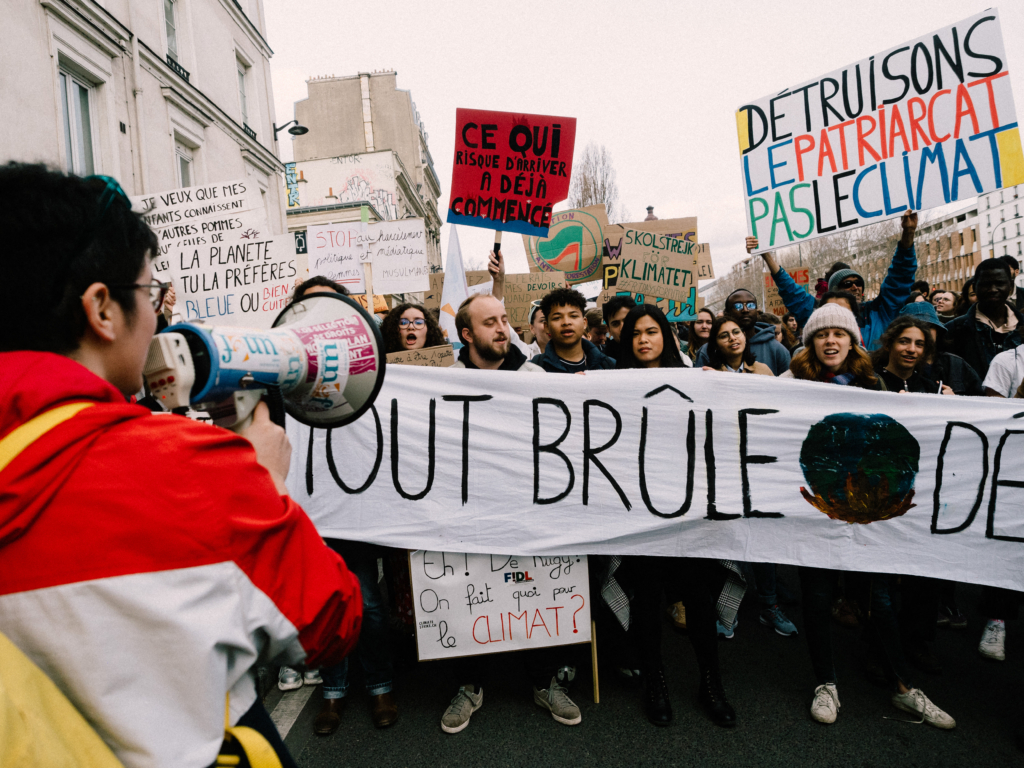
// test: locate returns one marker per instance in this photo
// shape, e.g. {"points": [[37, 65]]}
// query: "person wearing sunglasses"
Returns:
{"points": [[171, 613], [741, 308], [410, 326], [875, 315]]}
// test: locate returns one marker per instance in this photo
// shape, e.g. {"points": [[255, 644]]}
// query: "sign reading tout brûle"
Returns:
{"points": [[467, 605], [922, 124], [663, 462], [510, 169]]}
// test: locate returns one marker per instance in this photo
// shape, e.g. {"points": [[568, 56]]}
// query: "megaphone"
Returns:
{"points": [[324, 357]]}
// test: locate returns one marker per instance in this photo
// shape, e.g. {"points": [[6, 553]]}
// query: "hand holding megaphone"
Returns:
{"points": [[273, 448]]}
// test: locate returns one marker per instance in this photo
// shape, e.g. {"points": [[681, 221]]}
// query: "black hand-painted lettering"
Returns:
{"points": [[709, 469], [997, 484], [939, 466], [394, 453], [590, 454], [745, 460], [690, 462], [376, 463], [466, 400], [551, 448]]}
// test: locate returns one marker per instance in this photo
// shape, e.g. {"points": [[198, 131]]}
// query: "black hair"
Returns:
{"points": [[921, 286], [1010, 261], [964, 304], [670, 355], [315, 281], [914, 296], [715, 357], [392, 332], [563, 297], [64, 233], [734, 292], [614, 304], [786, 317], [988, 265], [846, 296]]}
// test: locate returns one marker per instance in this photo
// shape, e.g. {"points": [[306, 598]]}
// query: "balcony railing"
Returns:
{"points": [[179, 70]]}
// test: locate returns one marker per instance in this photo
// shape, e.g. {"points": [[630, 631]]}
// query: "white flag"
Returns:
{"points": [[454, 291]]}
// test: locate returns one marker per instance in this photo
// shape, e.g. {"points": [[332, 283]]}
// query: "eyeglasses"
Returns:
{"points": [[851, 282], [740, 306], [157, 291], [419, 322]]}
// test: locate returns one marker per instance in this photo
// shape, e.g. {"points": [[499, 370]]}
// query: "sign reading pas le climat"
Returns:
{"points": [[922, 124]]}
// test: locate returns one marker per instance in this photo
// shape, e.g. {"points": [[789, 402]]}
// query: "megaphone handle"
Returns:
{"points": [[275, 402]]}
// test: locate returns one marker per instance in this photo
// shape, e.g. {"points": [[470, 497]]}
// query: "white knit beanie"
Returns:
{"points": [[831, 316]]}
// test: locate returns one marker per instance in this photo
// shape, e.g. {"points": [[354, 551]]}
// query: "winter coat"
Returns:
{"points": [[596, 359], [764, 346], [977, 343], [515, 360]]}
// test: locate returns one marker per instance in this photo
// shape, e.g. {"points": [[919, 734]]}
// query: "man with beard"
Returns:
{"points": [[482, 323]]}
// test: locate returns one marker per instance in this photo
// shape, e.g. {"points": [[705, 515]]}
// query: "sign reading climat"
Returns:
{"points": [[510, 169], [925, 123]]}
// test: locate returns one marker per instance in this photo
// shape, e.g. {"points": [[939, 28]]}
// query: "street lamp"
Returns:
{"points": [[295, 130]]}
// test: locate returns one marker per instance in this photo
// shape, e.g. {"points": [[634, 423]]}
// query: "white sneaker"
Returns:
{"points": [[288, 679], [915, 702], [312, 677], [993, 640], [825, 707]]}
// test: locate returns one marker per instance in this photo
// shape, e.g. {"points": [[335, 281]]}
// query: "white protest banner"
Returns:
{"points": [[217, 250], [922, 124], [335, 251], [467, 605], [398, 252], [675, 463]]}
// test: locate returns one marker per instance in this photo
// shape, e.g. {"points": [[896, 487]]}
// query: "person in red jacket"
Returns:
{"points": [[147, 562]]}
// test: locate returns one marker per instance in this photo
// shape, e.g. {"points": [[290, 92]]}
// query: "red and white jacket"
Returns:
{"points": [[147, 562]]}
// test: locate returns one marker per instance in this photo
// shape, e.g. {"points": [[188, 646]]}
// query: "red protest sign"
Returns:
{"points": [[510, 169]]}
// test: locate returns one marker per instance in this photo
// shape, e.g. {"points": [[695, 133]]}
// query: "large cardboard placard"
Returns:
{"points": [[440, 356], [664, 462], [523, 288], [432, 298], [773, 302], [573, 246], [468, 605], [510, 169], [217, 250], [655, 265], [675, 311], [919, 125]]}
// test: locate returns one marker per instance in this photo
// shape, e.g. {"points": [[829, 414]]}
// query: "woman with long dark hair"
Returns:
{"points": [[410, 326], [968, 297], [645, 342], [831, 354], [728, 349], [697, 332]]}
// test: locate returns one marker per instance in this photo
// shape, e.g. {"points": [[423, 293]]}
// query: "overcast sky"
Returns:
{"points": [[657, 83]]}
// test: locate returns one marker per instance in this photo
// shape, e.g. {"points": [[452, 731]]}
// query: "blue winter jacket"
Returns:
{"points": [[875, 315]]}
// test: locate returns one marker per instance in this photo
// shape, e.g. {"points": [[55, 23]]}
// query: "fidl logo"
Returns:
{"points": [[518, 578]]}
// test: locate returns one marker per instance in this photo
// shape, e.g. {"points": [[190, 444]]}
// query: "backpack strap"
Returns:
{"points": [[24, 435]]}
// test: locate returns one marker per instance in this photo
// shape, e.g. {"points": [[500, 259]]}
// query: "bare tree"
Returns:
{"points": [[593, 182]]}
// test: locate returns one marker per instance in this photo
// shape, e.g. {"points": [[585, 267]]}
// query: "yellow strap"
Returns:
{"points": [[257, 748], [22, 437]]}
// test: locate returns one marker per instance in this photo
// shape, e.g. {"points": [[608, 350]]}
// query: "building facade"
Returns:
{"points": [[1001, 212], [366, 145], [158, 94]]}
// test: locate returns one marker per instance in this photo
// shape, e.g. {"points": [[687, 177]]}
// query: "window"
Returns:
{"points": [[241, 92], [183, 160], [172, 34], [77, 118]]}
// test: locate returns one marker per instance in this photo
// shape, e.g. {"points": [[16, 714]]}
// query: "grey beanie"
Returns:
{"points": [[831, 316], [842, 274]]}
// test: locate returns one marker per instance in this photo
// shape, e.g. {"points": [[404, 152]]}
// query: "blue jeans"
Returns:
{"points": [[372, 651]]}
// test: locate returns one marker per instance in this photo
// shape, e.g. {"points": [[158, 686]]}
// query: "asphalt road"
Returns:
{"points": [[769, 682]]}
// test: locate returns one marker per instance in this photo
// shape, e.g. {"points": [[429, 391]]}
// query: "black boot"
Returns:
{"points": [[712, 698], [656, 703]]}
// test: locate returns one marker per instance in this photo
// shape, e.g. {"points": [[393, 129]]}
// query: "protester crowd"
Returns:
{"points": [[242, 577]]}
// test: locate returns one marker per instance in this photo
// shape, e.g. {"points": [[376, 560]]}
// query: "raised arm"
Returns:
{"points": [[895, 288], [797, 301]]}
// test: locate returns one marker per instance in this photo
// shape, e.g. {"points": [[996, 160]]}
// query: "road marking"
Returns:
{"points": [[290, 707]]}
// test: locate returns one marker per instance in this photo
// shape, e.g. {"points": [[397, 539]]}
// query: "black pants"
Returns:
{"points": [[919, 608], [697, 582]]}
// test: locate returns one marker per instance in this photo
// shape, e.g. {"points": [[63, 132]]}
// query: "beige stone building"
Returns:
{"points": [[366, 145], [156, 93]]}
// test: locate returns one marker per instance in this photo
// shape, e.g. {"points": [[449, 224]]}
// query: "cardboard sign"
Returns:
{"points": [[675, 311], [704, 266], [574, 245], [773, 303], [380, 303], [217, 250], [435, 357], [510, 169], [685, 228], [468, 605], [523, 288], [654, 265], [919, 125], [432, 298]]}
